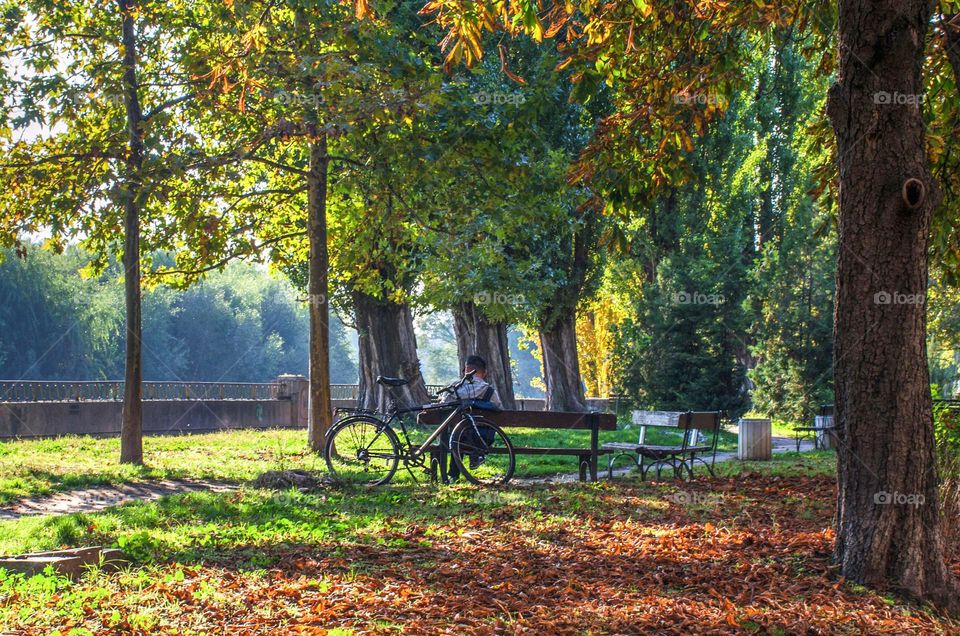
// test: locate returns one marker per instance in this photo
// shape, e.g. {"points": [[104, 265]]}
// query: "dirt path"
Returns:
{"points": [[102, 497]]}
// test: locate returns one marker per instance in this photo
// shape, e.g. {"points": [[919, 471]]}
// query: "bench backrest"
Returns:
{"points": [[691, 422], [703, 421], [534, 419]]}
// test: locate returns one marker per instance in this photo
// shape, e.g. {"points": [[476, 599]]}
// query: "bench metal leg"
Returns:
{"points": [[594, 445], [709, 465], [612, 460], [444, 458], [583, 462], [659, 464]]}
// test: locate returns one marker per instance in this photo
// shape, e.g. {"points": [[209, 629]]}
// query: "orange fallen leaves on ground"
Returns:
{"points": [[755, 562]]}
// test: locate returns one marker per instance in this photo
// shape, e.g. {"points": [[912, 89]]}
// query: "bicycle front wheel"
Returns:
{"points": [[362, 451], [482, 451]]}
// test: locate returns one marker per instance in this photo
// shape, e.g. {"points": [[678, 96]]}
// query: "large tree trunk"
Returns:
{"points": [[321, 415], [388, 346], [888, 527], [558, 326], [561, 367], [475, 334], [131, 425]]}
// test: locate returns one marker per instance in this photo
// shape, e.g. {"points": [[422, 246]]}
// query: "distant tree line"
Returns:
{"points": [[60, 322], [239, 325]]}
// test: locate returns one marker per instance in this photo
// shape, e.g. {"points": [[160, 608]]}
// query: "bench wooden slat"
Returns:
{"points": [[531, 450], [673, 449], [638, 448], [659, 419], [565, 420]]}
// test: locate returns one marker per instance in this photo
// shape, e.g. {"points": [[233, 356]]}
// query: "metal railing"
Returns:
{"points": [[352, 391], [112, 390], [344, 391]]}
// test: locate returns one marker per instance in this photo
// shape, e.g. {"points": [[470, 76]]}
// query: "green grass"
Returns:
{"points": [[39, 467], [780, 428], [195, 526], [30, 468], [783, 465]]}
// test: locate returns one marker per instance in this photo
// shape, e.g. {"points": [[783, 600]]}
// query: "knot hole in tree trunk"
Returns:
{"points": [[914, 192]]}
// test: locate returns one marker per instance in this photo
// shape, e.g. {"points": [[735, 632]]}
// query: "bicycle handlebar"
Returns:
{"points": [[452, 387]]}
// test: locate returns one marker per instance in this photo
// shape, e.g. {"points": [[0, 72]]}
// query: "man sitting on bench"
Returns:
{"points": [[476, 389]]}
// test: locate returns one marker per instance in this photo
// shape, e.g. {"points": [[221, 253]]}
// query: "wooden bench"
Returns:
{"points": [[587, 458], [822, 427], [678, 456]]}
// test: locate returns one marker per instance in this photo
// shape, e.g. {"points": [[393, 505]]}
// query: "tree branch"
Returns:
{"points": [[256, 193], [169, 104], [27, 47], [53, 158], [226, 259], [346, 160], [277, 165]]}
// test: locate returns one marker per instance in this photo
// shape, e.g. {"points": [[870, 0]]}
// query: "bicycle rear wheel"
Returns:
{"points": [[482, 451], [362, 451]]}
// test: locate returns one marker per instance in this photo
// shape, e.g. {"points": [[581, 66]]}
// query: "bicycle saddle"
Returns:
{"points": [[385, 381]]}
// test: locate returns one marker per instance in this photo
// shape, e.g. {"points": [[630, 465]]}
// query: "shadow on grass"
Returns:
{"points": [[203, 527], [40, 483]]}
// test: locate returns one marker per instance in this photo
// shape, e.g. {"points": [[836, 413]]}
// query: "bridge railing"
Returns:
{"points": [[108, 391], [112, 390]]}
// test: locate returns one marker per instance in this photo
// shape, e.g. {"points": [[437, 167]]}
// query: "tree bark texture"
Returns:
{"points": [[321, 415], [131, 425], [388, 346], [888, 531], [561, 366], [475, 334]]}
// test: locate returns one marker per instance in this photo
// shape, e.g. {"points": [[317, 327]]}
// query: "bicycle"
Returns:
{"points": [[364, 448]]}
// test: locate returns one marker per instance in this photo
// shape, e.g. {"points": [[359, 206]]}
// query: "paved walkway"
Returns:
{"points": [[102, 497]]}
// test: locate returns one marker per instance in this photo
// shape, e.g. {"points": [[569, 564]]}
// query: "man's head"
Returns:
{"points": [[476, 364]]}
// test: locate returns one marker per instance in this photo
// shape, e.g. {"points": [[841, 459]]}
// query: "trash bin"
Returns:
{"points": [[826, 439], [755, 441]]}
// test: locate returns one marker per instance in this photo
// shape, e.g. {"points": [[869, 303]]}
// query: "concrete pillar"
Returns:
{"points": [[296, 388]]}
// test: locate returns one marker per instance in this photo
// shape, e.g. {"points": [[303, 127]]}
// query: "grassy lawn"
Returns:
{"points": [[39, 467], [747, 552]]}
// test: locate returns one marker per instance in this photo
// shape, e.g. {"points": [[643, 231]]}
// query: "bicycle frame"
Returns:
{"points": [[416, 452], [459, 411]]}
